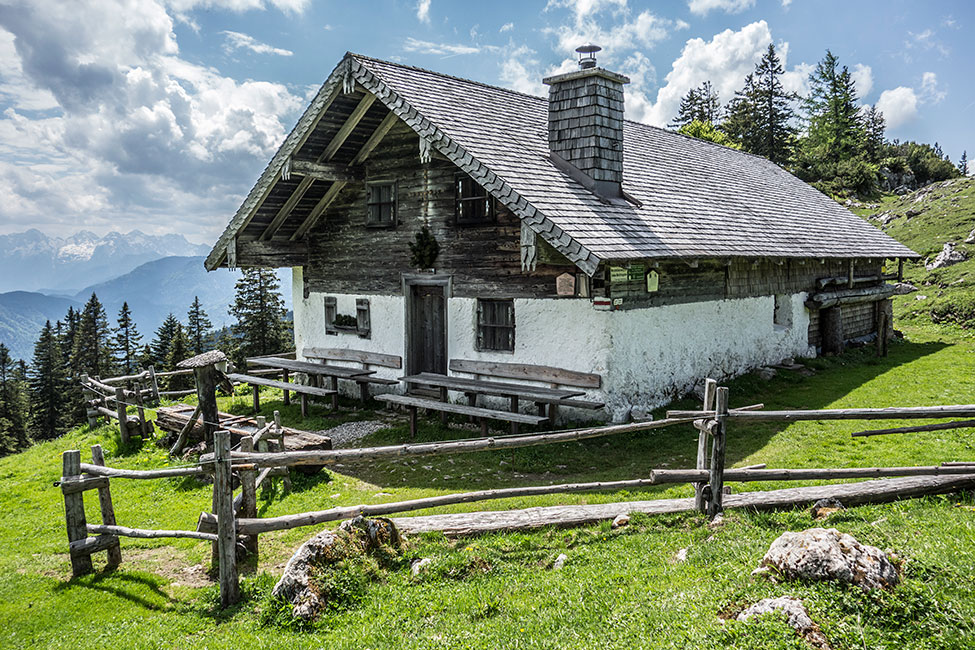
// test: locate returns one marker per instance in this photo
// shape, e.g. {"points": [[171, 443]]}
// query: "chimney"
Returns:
{"points": [[585, 123]]}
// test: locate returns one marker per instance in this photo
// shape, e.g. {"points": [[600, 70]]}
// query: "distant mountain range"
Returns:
{"points": [[33, 261], [153, 290]]}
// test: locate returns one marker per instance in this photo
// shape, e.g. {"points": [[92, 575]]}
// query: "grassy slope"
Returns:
{"points": [[619, 589], [947, 213]]}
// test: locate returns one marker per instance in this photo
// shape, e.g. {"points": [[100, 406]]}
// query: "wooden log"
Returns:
{"points": [[107, 507], [91, 545], [141, 533], [248, 494], [184, 432], [884, 413], [89, 395], [143, 474], [76, 485], [745, 475], [965, 463], [465, 446], [140, 406], [710, 386], [177, 393], [831, 330], [74, 514], [718, 443], [154, 383], [223, 498], [123, 422], [206, 392], [285, 392], [174, 373], [958, 424], [126, 378], [101, 388]]}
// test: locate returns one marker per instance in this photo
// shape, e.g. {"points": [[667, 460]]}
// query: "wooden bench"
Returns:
{"points": [[554, 377], [362, 357], [303, 391], [482, 414]]}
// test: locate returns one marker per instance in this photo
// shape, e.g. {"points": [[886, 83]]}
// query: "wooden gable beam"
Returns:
{"points": [[333, 191], [336, 143], [327, 171]]}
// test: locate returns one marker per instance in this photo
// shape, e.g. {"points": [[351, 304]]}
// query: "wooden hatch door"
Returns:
{"points": [[427, 331]]}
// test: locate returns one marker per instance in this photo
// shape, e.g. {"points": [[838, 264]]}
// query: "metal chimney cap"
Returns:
{"points": [[588, 48], [587, 55]]}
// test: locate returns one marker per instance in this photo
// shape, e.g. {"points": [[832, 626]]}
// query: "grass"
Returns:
{"points": [[618, 589]]}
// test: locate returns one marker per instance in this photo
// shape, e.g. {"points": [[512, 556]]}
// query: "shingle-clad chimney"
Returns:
{"points": [[585, 122]]}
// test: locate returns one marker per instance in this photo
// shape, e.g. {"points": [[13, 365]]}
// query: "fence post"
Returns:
{"points": [[143, 425], [88, 395], [280, 435], [223, 501], [123, 422], [248, 494], [74, 514], [702, 444], [154, 383], [107, 508], [718, 452]]}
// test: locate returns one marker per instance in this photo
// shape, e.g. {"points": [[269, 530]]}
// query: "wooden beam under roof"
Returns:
{"points": [[327, 171], [316, 212], [333, 146], [374, 139]]}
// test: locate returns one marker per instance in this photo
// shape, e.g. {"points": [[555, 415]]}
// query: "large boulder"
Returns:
{"points": [[828, 554], [946, 257], [795, 614]]}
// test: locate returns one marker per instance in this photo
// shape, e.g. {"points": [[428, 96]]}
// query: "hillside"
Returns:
{"points": [[925, 220], [22, 315]]}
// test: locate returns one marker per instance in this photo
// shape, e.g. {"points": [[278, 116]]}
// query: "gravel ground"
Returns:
{"points": [[350, 433]]}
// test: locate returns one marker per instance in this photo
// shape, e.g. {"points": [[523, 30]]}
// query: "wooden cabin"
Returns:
{"points": [[567, 235]]}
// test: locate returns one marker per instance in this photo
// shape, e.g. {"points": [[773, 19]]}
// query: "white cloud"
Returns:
{"points": [[703, 7], [863, 78], [290, 6], [786, 3], [444, 49], [423, 11], [796, 80], [898, 105], [237, 40], [520, 71], [930, 91], [584, 9], [507, 27], [725, 60], [643, 30]]}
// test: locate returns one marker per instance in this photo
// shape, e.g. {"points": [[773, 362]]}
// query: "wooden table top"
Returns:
{"points": [[311, 368], [485, 387]]}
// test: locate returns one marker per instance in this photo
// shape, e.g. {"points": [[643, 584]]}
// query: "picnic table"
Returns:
{"points": [[315, 372]]}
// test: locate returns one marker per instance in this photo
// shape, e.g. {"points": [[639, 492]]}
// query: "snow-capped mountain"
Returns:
{"points": [[32, 261]]}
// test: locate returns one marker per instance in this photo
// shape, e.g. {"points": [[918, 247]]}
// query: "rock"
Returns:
{"points": [[902, 190], [766, 374], [795, 614], [912, 213], [717, 522], [827, 554], [904, 288], [763, 572], [620, 521], [681, 555], [640, 414], [971, 237], [560, 561], [825, 507], [920, 297], [946, 257], [419, 566]]}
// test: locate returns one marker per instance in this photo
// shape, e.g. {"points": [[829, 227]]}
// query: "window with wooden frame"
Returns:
{"points": [[331, 311], [362, 319], [381, 204], [496, 325], [474, 205]]}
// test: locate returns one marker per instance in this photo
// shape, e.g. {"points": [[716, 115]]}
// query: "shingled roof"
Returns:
{"points": [[696, 199]]}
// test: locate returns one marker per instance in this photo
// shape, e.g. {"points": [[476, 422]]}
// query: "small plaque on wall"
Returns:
{"points": [[653, 281], [618, 274], [565, 284]]}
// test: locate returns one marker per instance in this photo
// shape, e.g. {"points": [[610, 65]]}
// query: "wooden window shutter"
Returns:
{"points": [[363, 324], [331, 311]]}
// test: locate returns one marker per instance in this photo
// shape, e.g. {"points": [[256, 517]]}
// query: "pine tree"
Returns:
{"points": [[198, 327], [874, 126], [47, 384], [835, 124], [963, 163], [259, 309], [740, 121], [160, 344], [13, 406], [774, 131], [127, 341], [92, 349], [701, 104], [179, 349]]}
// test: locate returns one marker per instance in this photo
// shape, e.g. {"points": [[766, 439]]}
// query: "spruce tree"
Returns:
{"points": [[699, 104], [874, 126], [13, 406], [127, 341], [160, 344], [833, 112], [259, 309], [774, 115], [179, 349], [198, 327], [963, 163], [92, 349], [741, 123], [47, 384]]}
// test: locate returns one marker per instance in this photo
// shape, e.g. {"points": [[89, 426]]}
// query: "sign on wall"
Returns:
{"points": [[653, 281], [565, 284]]}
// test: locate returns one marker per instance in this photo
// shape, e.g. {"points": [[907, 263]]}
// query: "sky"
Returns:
{"points": [[159, 115]]}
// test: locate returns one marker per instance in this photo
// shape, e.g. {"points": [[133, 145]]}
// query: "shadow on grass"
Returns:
{"points": [[142, 589]]}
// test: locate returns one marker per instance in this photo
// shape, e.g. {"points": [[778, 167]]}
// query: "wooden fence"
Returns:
{"points": [[232, 519]]}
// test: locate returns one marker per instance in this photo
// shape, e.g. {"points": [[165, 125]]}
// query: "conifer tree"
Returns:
{"points": [[259, 309], [699, 104], [198, 327], [164, 335], [835, 124], [874, 126], [92, 349], [47, 384], [774, 115], [13, 405], [963, 163], [740, 121], [127, 341], [179, 349]]}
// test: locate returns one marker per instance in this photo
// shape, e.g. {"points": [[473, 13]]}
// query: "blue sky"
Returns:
{"points": [[160, 114]]}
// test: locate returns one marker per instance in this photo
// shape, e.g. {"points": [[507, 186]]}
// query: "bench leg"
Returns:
{"points": [[471, 401], [287, 393], [443, 398], [484, 426], [257, 398], [304, 405], [335, 395], [412, 422], [363, 392], [553, 410], [514, 409]]}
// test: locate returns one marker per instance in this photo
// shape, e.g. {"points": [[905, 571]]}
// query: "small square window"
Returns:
{"points": [[474, 204], [496, 325], [381, 204], [782, 312]]}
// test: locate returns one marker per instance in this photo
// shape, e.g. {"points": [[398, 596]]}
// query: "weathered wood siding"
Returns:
{"points": [[858, 320]]}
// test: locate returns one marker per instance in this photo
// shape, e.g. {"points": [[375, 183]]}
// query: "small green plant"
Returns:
{"points": [[424, 249], [345, 320]]}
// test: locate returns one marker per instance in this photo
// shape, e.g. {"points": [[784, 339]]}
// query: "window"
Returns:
{"points": [[782, 314], [362, 321], [336, 323], [474, 204], [381, 204], [331, 311], [496, 325]]}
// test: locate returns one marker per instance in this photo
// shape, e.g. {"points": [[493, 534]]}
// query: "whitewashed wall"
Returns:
{"points": [[646, 357]]}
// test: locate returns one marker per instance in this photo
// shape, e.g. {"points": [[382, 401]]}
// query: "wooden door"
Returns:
{"points": [[427, 343]]}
